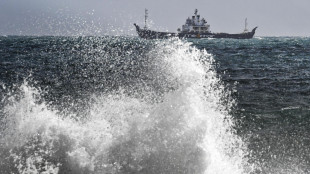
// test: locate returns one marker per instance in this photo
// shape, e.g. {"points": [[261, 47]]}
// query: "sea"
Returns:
{"points": [[125, 105]]}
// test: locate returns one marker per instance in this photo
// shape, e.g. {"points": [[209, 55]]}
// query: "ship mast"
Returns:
{"points": [[246, 25], [145, 19]]}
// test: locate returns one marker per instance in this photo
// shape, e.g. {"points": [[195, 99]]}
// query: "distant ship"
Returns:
{"points": [[193, 28]]}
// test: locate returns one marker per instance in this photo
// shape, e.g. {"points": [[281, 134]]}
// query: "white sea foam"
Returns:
{"points": [[188, 131]]}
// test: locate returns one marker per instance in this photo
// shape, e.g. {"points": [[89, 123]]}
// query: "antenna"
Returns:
{"points": [[145, 19], [246, 25]]}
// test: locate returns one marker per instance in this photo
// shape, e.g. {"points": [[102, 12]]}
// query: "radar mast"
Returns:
{"points": [[145, 18], [246, 25]]}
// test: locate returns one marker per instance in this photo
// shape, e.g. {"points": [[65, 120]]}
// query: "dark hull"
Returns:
{"points": [[150, 34]]}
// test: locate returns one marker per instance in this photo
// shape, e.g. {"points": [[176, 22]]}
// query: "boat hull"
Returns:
{"points": [[150, 34]]}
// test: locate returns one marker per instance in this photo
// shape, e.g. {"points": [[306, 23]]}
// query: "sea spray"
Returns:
{"points": [[176, 123]]}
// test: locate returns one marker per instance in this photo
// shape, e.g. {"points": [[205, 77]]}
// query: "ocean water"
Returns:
{"points": [[124, 105]]}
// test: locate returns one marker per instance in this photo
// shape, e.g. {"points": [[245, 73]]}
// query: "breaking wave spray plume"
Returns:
{"points": [[168, 114]]}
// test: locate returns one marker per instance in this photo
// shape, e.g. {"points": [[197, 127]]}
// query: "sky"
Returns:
{"points": [[116, 17]]}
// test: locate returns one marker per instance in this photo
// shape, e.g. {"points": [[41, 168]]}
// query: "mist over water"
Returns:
{"points": [[115, 105]]}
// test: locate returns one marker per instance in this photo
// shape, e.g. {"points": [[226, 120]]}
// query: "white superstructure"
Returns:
{"points": [[195, 25]]}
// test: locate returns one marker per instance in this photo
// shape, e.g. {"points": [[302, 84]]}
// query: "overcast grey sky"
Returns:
{"points": [[99, 17]]}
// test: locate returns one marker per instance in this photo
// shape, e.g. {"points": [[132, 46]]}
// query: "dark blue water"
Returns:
{"points": [[128, 105], [271, 76]]}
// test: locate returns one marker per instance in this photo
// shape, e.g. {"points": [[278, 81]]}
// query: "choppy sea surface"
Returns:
{"points": [[124, 105]]}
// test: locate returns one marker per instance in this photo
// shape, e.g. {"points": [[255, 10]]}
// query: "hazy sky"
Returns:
{"points": [[99, 17]]}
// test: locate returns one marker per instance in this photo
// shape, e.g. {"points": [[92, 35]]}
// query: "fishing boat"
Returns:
{"points": [[194, 27]]}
